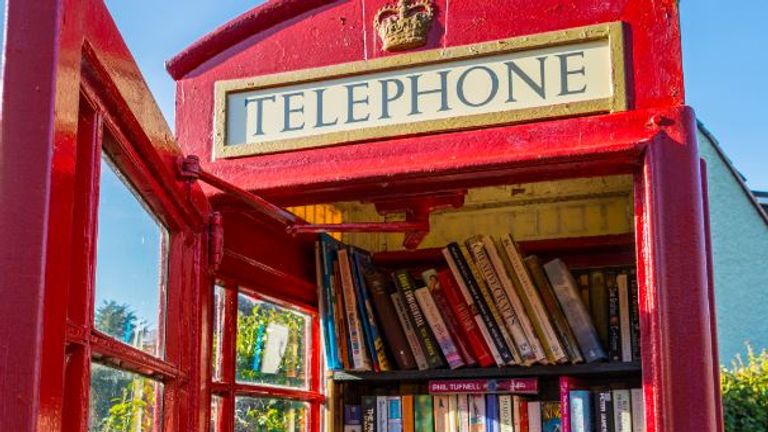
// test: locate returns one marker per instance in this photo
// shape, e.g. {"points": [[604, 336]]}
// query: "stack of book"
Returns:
{"points": [[486, 304], [601, 409]]}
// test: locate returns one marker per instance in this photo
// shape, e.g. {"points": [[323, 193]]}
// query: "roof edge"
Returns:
{"points": [[747, 191], [258, 19]]}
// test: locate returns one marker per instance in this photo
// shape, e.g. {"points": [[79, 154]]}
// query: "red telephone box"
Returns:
{"points": [[329, 105]]}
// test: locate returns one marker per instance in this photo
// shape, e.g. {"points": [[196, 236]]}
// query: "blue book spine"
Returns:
{"points": [[492, 413], [328, 247], [394, 414], [581, 410], [357, 262]]}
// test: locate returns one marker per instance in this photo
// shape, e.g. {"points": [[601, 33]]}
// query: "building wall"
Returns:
{"points": [[740, 251]]}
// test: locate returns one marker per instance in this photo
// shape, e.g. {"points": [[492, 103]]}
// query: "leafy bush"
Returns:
{"points": [[745, 393]]}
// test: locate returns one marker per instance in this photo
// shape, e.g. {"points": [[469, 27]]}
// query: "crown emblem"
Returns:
{"points": [[405, 25]]}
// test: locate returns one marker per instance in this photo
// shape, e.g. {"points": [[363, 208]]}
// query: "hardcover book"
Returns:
{"points": [[523, 386], [407, 288], [622, 410], [435, 286], [424, 420], [379, 286], [551, 420]]}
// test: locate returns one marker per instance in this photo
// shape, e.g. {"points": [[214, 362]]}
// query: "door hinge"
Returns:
{"points": [[215, 241]]}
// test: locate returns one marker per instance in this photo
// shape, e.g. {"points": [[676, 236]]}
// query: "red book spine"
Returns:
{"points": [[524, 427], [469, 331]]}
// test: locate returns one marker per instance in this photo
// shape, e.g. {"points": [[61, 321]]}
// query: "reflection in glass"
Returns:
{"points": [[216, 409], [271, 344], [130, 265], [272, 415], [218, 330], [122, 401]]}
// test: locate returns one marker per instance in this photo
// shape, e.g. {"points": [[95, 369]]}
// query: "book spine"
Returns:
{"points": [[440, 408], [381, 413], [410, 333], [333, 358], [506, 418], [353, 418], [435, 286], [522, 406], [361, 263], [423, 416], [534, 416], [551, 418], [453, 412], [439, 330], [553, 308], [582, 283], [581, 411], [463, 414], [394, 414], [598, 296], [369, 413], [624, 319], [509, 308], [408, 425], [638, 410], [468, 318], [360, 359], [634, 311], [490, 302], [526, 386], [614, 322], [575, 311], [389, 318], [622, 411], [341, 319], [477, 421], [491, 413], [365, 322], [407, 288], [532, 302], [603, 411], [466, 280]]}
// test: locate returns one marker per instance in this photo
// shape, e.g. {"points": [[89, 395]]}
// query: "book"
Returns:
{"points": [[551, 420], [462, 417], [407, 408], [622, 410], [520, 408], [624, 319], [581, 410], [473, 297], [598, 297], [523, 386], [440, 412], [539, 319], [435, 286], [360, 359], [382, 412], [369, 413], [361, 262], [506, 416], [353, 418], [341, 320], [575, 311], [469, 320], [453, 412], [603, 402], [327, 245], [582, 281], [477, 421], [407, 287], [379, 286], [638, 410], [491, 413], [410, 334], [634, 314], [534, 416], [436, 323], [321, 307], [554, 310], [394, 414], [510, 310], [423, 416], [614, 325]]}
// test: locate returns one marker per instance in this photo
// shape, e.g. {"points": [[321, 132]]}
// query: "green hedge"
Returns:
{"points": [[745, 393]]}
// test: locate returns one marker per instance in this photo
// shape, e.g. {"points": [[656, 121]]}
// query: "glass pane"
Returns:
{"points": [[216, 408], [218, 330], [271, 344], [272, 415], [130, 266], [122, 401]]}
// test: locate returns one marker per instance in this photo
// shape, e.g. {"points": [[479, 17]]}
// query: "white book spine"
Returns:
{"points": [[463, 413], [360, 358], [536, 310], [477, 419], [473, 308], [506, 416], [381, 413], [439, 330], [622, 411], [410, 334], [638, 410], [534, 416], [624, 319], [453, 412]]}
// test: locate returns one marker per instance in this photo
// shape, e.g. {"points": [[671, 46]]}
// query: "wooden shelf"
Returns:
{"points": [[598, 370]]}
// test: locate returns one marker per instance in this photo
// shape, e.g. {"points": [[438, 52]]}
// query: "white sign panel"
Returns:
{"points": [[395, 96]]}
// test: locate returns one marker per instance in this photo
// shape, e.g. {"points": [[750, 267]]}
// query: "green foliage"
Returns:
{"points": [[269, 415], [745, 393], [117, 320], [132, 410]]}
